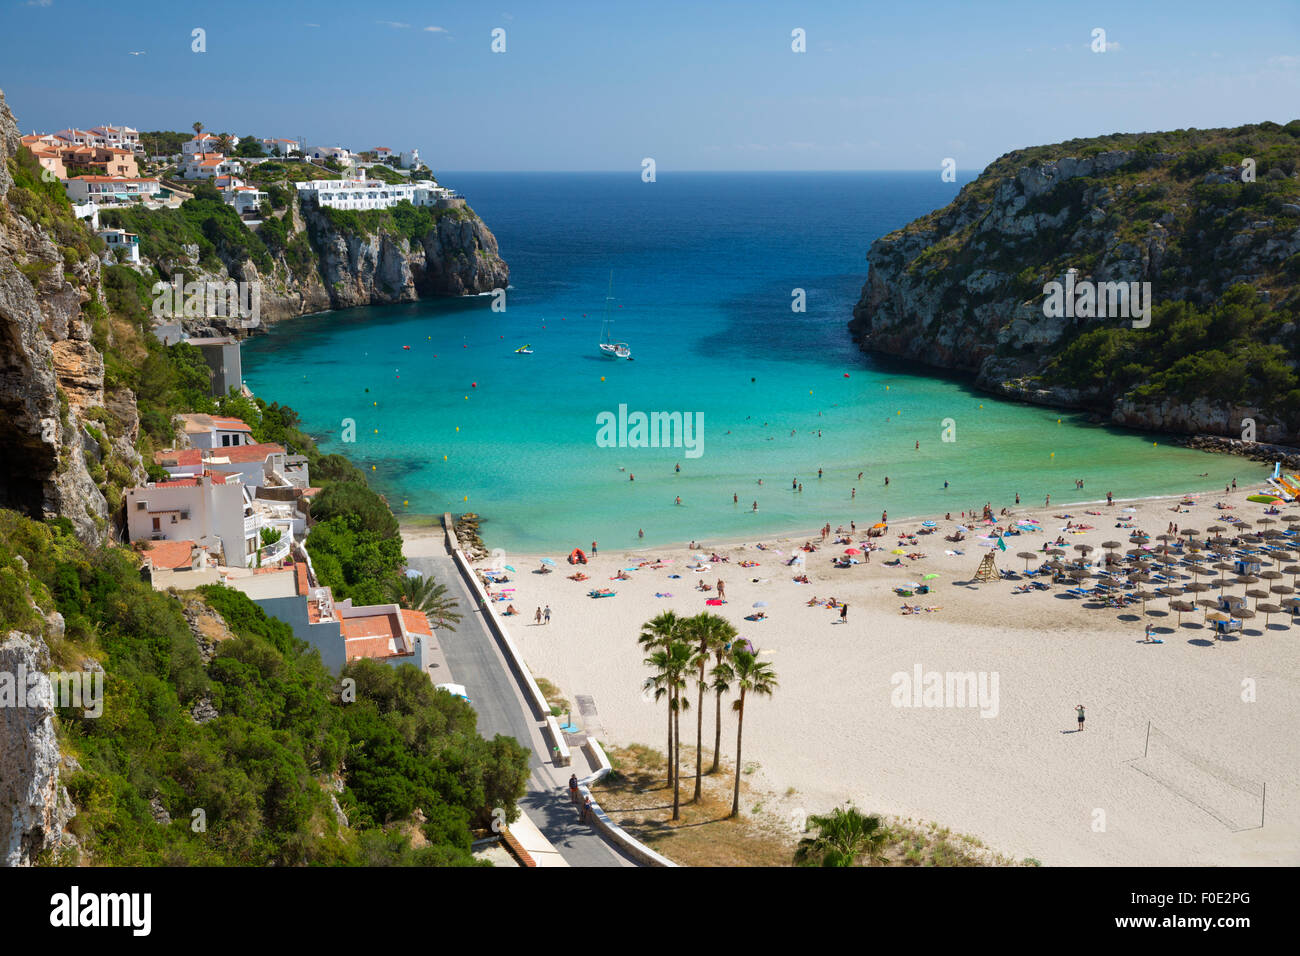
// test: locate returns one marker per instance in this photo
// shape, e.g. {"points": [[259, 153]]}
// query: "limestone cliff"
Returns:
{"points": [[51, 372], [1194, 213]]}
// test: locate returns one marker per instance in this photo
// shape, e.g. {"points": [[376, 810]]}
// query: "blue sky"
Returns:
{"points": [[696, 86]]}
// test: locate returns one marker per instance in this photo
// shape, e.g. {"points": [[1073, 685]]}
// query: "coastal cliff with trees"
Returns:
{"points": [[1210, 218], [213, 711]]}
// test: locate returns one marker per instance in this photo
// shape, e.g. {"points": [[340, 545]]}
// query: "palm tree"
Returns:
{"points": [[657, 634], [710, 634], [721, 676], [752, 677], [225, 144], [842, 837], [425, 594], [671, 664], [198, 128]]}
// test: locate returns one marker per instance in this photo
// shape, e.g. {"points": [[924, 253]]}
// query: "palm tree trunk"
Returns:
{"points": [[740, 727], [670, 738], [699, 733], [677, 772], [717, 730]]}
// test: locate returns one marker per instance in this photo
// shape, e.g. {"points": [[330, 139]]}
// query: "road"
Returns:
{"points": [[475, 660]]}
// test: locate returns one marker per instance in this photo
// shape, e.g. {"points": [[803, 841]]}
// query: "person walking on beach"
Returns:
{"points": [[546, 615], [844, 614], [537, 618], [593, 549], [1047, 501], [1110, 498], [1079, 710], [573, 788]]}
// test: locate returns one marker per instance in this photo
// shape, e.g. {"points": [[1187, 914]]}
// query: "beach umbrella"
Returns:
{"points": [[1056, 551], [1143, 596], [1166, 538], [1216, 616], [1267, 610], [550, 561], [852, 551], [1180, 608], [1028, 556], [1169, 591], [1256, 593], [1292, 605], [898, 551], [1292, 570], [1191, 532], [1244, 613], [509, 568]]}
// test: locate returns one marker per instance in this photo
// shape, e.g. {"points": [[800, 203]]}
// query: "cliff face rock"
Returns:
{"points": [[458, 256], [963, 288], [34, 805], [49, 371]]}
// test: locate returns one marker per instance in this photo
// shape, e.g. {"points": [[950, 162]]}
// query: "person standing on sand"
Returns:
{"points": [[1079, 710], [722, 589], [1110, 498], [547, 614], [593, 549], [537, 618], [1047, 502], [844, 614]]}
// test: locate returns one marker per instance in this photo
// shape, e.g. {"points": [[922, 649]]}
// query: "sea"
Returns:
{"points": [[733, 292]]}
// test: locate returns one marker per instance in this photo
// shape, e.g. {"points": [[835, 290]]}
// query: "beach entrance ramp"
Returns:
{"points": [[1231, 798]]}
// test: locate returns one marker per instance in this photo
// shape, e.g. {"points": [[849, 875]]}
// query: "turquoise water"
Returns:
{"points": [[704, 267]]}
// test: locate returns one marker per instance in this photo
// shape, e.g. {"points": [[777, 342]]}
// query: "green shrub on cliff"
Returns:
{"points": [[249, 787]]}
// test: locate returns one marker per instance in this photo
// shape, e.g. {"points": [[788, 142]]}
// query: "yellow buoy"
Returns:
{"points": [[602, 378], [372, 467], [405, 502], [457, 428], [1053, 454], [467, 497], [444, 457], [376, 431]]}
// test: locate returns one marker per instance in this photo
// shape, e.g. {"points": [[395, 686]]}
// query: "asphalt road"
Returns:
{"points": [[475, 660]]}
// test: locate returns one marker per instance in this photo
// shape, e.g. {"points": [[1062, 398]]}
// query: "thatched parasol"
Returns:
{"points": [[1267, 610], [1180, 608]]}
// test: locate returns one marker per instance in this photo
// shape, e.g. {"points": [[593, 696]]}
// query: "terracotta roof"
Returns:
{"points": [[178, 456], [417, 622], [230, 424], [244, 454], [170, 554], [217, 479]]}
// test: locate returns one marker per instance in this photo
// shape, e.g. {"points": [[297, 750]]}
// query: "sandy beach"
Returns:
{"points": [[1015, 771]]}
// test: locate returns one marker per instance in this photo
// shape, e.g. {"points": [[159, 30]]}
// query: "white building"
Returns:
{"points": [[123, 136], [109, 189], [410, 159], [210, 166], [340, 153], [215, 431], [287, 147], [371, 193], [213, 510], [205, 143], [117, 239]]}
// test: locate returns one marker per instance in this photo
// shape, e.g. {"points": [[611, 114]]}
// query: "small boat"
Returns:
{"points": [[524, 350], [608, 347]]}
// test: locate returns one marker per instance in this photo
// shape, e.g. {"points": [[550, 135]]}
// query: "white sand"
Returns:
{"points": [[1018, 781]]}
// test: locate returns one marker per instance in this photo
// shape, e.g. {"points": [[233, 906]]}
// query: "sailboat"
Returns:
{"points": [[608, 347], [524, 350]]}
